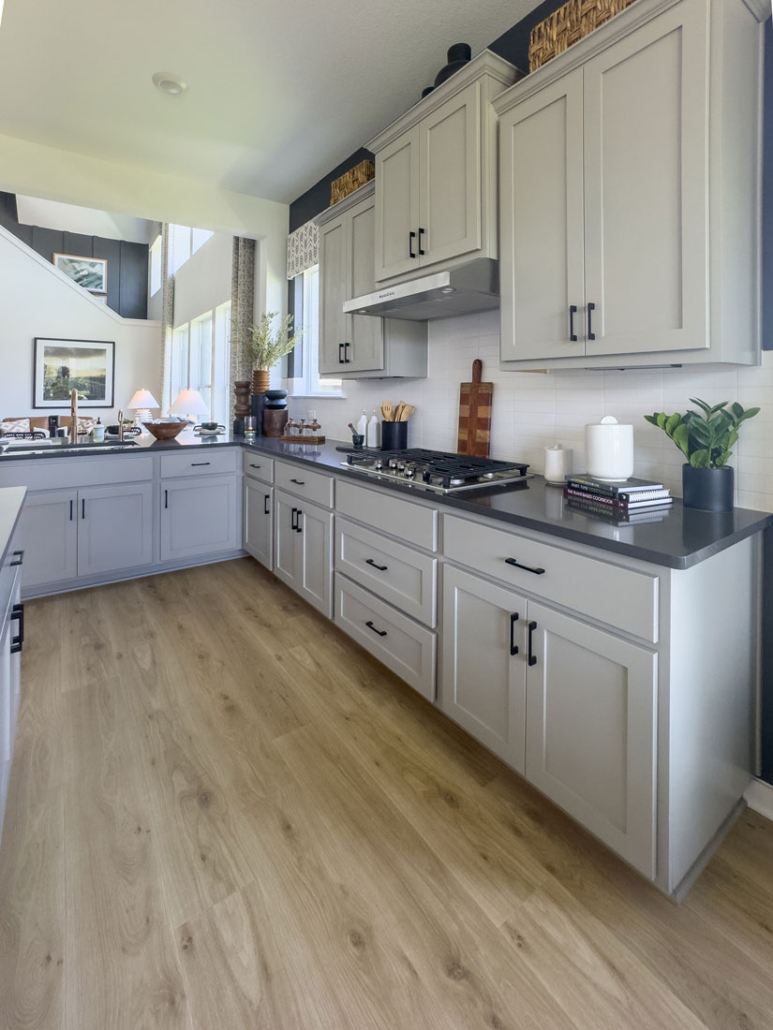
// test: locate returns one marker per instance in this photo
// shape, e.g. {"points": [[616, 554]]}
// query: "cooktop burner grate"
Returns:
{"points": [[437, 468]]}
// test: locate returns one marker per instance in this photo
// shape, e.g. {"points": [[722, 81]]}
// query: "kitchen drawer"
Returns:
{"points": [[401, 644], [381, 510], [199, 461], [598, 589], [68, 473], [9, 575], [258, 466], [304, 483], [397, 574]]}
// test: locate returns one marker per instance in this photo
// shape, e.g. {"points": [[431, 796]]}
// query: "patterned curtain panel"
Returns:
{"points": [[302, 249], [242, 309], [167, 320]]}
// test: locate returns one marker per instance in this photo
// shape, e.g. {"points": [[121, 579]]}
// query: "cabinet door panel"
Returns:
{"points": [[285, 537], [258, 522], [199, 516], [49, 536], [397, 206], [590, 740], [366, 350], [542, 227], [484, 685], [333, 289], [115, 528], [314, 557], [646, 187], [450, 185]]}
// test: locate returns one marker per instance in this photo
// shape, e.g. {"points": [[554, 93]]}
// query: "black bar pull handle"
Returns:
{"points": [[298, 526], [421, 233], [83, 508], [411, 238], [294, 519], [591, 309], [572, 313], [265, 504], [254, 466], [194, 464], [347, 359], [513, 646], [532, 656], [18, 558], [71, 507], [298, 482], [17, 642], [340, 354], [526, 568], [381, 632], [166, 498], [381, 568]]}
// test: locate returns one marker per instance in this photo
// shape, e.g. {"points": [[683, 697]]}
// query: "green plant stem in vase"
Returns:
{"points": [[267, 346], [706, 438]]}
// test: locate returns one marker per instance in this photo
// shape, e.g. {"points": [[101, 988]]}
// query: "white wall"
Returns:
{"points": [[37, 300], [204, 281], [533, 411], [85, 220]]}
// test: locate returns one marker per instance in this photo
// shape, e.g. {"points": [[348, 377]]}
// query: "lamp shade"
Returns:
{"points": [[189, 402], [143, 399]]}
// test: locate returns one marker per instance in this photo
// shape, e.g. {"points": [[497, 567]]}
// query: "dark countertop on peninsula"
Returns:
{"points": [[681, 537]]}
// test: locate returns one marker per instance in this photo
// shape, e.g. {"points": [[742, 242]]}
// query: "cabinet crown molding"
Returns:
{"points": [[487, 63], [622, 25], [346, 204]]}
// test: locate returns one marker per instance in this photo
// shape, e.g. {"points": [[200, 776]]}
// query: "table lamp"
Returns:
{"points": [[142, 402], [189, 402]]}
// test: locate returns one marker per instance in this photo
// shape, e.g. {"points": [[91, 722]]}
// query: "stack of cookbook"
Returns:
{"points": [[631, 500]]}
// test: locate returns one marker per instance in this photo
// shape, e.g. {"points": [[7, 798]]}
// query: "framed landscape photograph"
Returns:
{"points": [[61, 366], [90, 273]]}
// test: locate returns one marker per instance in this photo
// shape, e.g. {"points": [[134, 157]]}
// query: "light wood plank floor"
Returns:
{"points": [[224, 815]]}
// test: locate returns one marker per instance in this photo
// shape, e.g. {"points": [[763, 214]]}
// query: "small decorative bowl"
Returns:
{"points": [[165, 430]]}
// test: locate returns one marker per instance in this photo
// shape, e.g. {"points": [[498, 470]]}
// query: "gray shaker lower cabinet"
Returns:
{"points": [[591, 707], [199, 516], [484, 671], [258, 521], [115, 528], [303, 549], [48, 530]]}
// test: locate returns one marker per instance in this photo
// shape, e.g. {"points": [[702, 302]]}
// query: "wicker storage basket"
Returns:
{"points": [[351, 180], [568, 24]]}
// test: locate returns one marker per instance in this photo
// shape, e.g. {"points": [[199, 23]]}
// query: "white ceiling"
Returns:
{"points": [[280, 92]]}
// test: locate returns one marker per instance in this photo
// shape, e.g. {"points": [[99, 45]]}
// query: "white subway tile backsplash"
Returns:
{"points": [[532, 411]]}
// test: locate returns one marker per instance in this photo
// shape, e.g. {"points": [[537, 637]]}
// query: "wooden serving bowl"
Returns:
{"points": [[165, 430]]}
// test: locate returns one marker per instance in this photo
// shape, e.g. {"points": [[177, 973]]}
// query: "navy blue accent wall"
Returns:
{"points": [[127, 263]]}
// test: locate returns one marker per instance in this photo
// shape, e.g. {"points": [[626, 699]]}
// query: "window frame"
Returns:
{"points": [[308, 383]]}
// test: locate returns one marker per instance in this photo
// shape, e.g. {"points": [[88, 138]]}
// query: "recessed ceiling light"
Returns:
{"points": [[170, 83]]}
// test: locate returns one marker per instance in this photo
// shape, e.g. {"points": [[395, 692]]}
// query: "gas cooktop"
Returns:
{"points": [[436, 470]]}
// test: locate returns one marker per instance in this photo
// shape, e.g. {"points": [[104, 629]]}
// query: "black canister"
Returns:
{"points": [[458, 55], [394, 436]]}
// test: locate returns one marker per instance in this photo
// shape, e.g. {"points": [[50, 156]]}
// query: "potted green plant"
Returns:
{"points": [[706, 438], [266, 346]]}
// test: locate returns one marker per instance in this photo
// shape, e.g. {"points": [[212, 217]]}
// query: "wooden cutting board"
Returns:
{"points": [[475, 414]]}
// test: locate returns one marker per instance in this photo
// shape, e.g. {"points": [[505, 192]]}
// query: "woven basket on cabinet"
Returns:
{"points": [[569, 23]]}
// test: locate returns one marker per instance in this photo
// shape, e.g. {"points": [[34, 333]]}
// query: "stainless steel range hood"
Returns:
{"points": [[470, 287]]}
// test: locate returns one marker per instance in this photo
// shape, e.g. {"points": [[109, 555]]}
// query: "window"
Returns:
{"points": [[307, 382], [201, 359], [155, 267], [183, 243]]}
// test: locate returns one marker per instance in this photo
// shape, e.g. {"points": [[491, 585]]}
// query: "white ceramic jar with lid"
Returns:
{"points": [[609, 449]]}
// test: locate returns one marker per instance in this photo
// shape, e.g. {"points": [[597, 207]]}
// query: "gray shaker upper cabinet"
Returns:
{"points": [[359, 346], [630, 193], [436, 198]]}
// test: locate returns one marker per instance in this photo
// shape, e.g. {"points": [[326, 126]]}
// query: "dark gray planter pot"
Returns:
{"points": [[708, 489]]}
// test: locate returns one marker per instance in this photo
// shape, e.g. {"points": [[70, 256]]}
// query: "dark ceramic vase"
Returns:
{"points": [[708, 489], [458, 56]]}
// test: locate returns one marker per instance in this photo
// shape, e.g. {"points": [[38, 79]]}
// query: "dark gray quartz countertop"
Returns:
{"points": [[679, 539], [32, 449]]}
